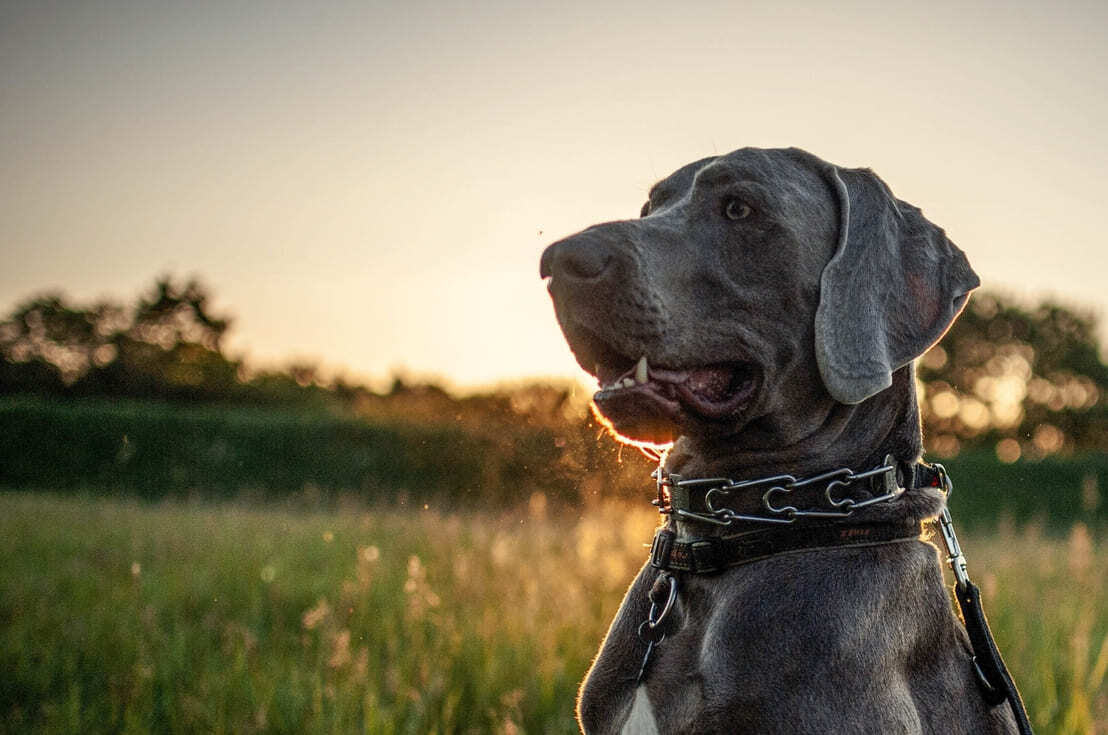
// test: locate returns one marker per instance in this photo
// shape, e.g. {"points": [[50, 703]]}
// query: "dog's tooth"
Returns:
{"points": [[628, 382], [641, 371]]}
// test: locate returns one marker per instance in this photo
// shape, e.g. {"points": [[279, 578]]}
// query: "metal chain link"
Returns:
{"points": [[783, 485]]}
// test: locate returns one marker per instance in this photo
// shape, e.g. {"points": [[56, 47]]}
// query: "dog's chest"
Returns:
{"points": [[641, 719], [670, 694], [731, 653]]}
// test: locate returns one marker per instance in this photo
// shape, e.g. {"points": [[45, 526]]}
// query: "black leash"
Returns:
{"points": [[993, 679]]}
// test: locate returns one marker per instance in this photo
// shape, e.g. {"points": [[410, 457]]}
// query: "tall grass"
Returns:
{"points": [[124, 617], [1047, 602]]}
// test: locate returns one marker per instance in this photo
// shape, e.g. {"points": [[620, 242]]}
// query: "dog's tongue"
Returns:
{"points": [[710, 383]]}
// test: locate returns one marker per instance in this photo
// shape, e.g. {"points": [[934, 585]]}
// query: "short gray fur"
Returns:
{"points": [[832, 290]]}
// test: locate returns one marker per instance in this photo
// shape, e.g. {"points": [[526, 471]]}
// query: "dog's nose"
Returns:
{"points": [[579, 258]]}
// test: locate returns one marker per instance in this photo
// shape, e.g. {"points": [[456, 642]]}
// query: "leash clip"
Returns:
{"points": [[955, 557]]}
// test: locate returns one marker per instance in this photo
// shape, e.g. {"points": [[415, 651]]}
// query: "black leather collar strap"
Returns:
{"points": [[713, 554]]}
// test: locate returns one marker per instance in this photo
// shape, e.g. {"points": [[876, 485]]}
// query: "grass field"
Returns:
{"points": [[117, 616]]}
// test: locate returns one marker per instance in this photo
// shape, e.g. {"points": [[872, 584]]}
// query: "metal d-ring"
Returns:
{"points": [[652, 635], [944, 479], [654, 619], [666, 608], [650, 630]]}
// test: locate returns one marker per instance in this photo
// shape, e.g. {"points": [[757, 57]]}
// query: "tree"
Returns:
{"points": [[170, 348], [174, 314], [1028, 380], [47, 343], [169, 345]]}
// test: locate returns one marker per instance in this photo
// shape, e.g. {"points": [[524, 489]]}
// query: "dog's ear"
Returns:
{"points": [[890, 291]]}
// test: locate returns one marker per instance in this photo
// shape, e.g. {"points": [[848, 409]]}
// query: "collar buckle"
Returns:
{"points": [[661, 548]]}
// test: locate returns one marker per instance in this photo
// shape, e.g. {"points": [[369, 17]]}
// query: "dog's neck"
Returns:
{"points": [[856, 436]]}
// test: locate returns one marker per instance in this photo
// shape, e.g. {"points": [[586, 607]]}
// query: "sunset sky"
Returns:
{"points": [[370, 184]]}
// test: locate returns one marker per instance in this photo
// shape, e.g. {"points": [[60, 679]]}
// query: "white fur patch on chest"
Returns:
{"points": [[641, 720]]}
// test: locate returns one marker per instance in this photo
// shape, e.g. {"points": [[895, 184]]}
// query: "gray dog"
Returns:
{"points": [[763, 314]]}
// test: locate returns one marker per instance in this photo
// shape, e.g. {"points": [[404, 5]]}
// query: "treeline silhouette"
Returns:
{"points": [[143, 398], [167, 345]]}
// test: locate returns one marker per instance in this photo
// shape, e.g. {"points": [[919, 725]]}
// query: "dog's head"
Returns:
{"points": [[755, 291]]}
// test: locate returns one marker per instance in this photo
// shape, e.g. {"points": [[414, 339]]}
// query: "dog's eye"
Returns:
{"points": [[736, 209], [645, 209]]}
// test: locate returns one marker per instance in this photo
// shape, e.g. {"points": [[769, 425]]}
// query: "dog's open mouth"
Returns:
{"points": [[650, 403], [712, 392]]}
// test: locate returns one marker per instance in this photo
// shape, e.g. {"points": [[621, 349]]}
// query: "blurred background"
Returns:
{"points": [[291, 441]]}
